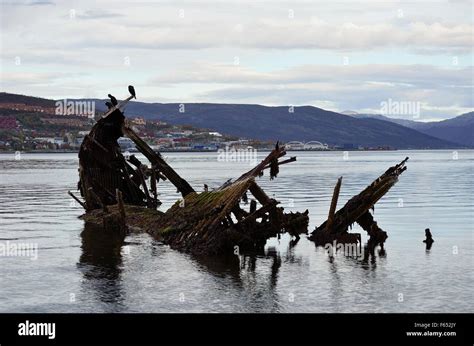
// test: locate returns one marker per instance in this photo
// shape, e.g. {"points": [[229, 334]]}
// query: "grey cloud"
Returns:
{"points": [[98, 14], [28, 3], [144, 28], [160, 42], [442, 103], [419, 75], [40, 2]]}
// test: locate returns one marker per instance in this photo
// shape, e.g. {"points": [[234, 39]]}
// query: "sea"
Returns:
{"points": [[50, 262]]}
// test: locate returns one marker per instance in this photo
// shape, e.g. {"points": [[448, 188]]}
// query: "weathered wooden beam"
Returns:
{"points": [[339, 222], [239, 213], [253, 205], [137, 163], [132, 187], [156, 159], [85, 185], [260, 212], [259, 194], [97, 200], [118, 106], [101, 187], [153, 182], [332, 208], [229, 219], [121, 207], [363, 206], [291, 159], [99, 145], [77, 200], [149, 200], [276, 153]]}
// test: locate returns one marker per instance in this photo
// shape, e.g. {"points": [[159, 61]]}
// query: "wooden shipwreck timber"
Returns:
{"points": [[120, 194], [357, 210]]}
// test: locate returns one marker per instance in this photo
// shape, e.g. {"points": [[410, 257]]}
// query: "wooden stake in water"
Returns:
{"points": [[332, 208]]}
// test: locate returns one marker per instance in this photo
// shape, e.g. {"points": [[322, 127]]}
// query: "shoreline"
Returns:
{"points": [[12, 152]]}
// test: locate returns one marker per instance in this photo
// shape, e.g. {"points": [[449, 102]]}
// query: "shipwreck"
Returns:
{"points": [[120, 194], [357, 210]]}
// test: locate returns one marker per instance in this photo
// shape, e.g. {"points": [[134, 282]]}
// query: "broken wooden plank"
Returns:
{"points": [[77, 200], [291, 159], [357, 207], [260, 212], [118, 106], [97, 199], [259, 194], [121, 209], [332, 208], [149, 200], [156, 160], [153, 187]]}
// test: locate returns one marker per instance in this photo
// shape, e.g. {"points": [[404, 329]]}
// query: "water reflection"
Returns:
{"points": [[290, 256], [370, 253], [365, 258], [101, 264], [234, 266], [253, 275], [225, 266], [262, 283], [335, 284], [276, 265], [258, 281]]}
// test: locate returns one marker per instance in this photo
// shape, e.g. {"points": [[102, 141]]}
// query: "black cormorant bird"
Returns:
{"points": [[113, 99], [131, 90]]}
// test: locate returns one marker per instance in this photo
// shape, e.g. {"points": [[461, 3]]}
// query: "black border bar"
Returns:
{"points": [[241, 329]]}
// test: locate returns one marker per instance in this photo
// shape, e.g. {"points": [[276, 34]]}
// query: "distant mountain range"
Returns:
{"points": [[27, 100], [458, 130], [305, 123]]}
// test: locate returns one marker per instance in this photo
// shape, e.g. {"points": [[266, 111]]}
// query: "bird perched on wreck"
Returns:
{"points": [[131, 90], [113, 99]]}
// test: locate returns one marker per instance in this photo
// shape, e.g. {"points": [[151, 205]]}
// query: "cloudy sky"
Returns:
{"points": [[339, 55]]}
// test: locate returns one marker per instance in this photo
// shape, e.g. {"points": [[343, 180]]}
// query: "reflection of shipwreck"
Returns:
{"points": [[121, 194]]}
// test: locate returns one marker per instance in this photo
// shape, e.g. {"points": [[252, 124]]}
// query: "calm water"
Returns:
{"points": [[77, 271]]}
